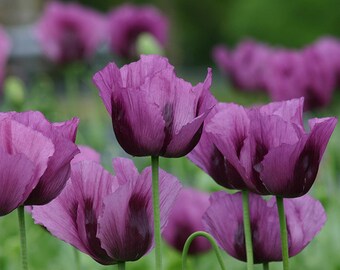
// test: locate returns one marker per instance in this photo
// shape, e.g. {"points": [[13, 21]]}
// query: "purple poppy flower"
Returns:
{"points": [[224, 221], [286, 75], [153, 112], [36, 156], [185, 219], [127, 22], [321, 78], [5, 46], [329, 49], [264, 149], [108, 217], [249, 62], [246, 64], [223, 59], [69, 32]]}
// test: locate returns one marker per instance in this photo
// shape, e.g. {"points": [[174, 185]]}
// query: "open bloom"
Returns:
{"points": [[4, 52], [264, 149], [185, 219], [224, 220], [108, 217], [35, 158], [69, 32], [127, 22], [154, 113]]}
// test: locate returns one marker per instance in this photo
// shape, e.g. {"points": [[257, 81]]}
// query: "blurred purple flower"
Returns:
{"points": [[286, 75], [35, 158], [70, 32], [5, 46], [185, 219], [329, 50], [127, 22], [264, 149], [223, 59], [321, 78], [224, 221], [245, 65], [154, 113], [108, 217]]}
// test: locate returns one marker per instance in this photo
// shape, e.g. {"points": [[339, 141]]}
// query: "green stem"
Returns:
{"points": [[21, 219], [247, 230], [283, 232], [121, 266], [212, 242], [265, 266], [156, 211], [77, 258]]}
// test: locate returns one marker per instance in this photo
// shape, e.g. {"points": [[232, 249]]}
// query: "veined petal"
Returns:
{"points": [[19, 139], [126, 232], [59, 217], [228, 130], [108, 81], [92, 184], [16, 180], [125, 170], [186, 139], [137, 123]]}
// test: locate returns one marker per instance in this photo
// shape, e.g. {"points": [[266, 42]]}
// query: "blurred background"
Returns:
{"points": [[32, 81]]}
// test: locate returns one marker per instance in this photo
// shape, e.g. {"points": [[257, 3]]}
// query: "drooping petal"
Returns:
{"points": [[16, 179]]}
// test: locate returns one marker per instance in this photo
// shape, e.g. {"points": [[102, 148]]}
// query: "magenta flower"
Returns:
{"points": [[245, 65], [223, 59], [321, 78], [286, 75], [35, 158], [5, 46], [127, 22], [70, 32], [264, 149], [224, 221], [329, 49], [153, 112], [108, 217], [185, 219]]}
